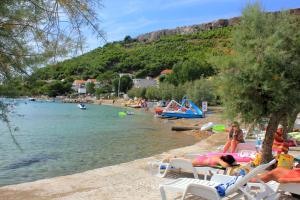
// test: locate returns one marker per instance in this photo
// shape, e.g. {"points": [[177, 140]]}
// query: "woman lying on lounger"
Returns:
{"points": [[212, 161], [281, 175]]}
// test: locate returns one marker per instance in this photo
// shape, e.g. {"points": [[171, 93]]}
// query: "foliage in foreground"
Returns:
{"points": [[261, 79], [37, 31]]}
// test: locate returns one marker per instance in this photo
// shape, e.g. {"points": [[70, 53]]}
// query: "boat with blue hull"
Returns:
{"points": [[187, 109]]}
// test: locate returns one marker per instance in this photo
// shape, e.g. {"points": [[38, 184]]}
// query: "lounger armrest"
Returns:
{"points": [[209, 192], [221, 178], [290, 187], [191, 155]]}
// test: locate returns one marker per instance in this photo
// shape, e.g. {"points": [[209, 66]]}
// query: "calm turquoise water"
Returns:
{"points": [[60, 139]]}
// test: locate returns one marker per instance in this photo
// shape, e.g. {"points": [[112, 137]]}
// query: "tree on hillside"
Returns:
{"points": [[56, 88], [166, 91], [202, 90], [90, 88], [124, 83], [152, 93], [107, 77], [128, 39], [189, 70], [261, 80], [137, 92]]}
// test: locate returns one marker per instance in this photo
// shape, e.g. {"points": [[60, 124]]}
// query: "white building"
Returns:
{"points": [[80, 85], [144, 83], [97, 84], [82, 90]]}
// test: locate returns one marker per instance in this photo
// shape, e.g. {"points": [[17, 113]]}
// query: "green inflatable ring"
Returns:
{"points": [[122, 114], [219, 127]]}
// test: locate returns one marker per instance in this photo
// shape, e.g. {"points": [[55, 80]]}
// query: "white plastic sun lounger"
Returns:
{"points": [[207, 190], [175, 164], [293, 188], [185, 166]]}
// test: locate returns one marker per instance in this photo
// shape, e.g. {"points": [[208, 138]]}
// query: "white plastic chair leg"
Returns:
{"points": [[162, 193], [274, 196]]}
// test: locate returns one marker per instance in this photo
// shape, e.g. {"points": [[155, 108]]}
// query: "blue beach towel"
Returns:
{"points": [[221, 189], [163, 167]]}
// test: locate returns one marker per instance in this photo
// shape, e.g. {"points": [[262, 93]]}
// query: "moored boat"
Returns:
{"points": [[31, 99], [135, 106], [187, 109], [81, 106], [129, 113]]}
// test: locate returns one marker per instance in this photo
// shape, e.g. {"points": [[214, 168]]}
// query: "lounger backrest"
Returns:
{"points": [[253, 173], [185, 165], [181, 163]]}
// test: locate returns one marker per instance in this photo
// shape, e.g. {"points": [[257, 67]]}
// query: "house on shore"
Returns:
{"points": [[80, 85], [144, 83]]}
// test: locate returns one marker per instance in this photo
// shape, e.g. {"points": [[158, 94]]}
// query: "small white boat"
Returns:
{"points": [[129, 113], [81, 106], [31, 99], [135, 106]]}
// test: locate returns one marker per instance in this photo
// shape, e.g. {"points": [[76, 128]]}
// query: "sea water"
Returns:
{"points": [[53, 139]]}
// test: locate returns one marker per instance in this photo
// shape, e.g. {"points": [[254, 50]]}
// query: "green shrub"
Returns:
{"points": [[137, 92]]}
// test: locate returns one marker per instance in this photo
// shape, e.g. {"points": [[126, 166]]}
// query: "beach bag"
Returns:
{"points": [[285, 160], [257, 159]]}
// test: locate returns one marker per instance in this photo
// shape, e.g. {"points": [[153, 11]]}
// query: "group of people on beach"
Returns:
{"points": [[235, 136]]}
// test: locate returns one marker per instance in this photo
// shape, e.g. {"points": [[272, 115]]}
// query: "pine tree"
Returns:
{"points": [[261, 79]]}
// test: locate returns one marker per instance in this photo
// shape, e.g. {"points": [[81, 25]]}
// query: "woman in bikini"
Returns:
{"points": [[224, 161], [211, 161], [281, 175], [235, 136]]}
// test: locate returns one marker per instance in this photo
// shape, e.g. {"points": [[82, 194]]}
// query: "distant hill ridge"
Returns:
{"points": [[155, 35], [149, 53]]}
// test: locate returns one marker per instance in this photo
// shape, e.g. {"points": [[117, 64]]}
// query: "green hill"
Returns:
{"points": [[141, 58]]}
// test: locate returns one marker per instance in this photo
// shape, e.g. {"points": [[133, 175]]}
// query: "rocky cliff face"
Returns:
{"points": [[155, 35]]}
